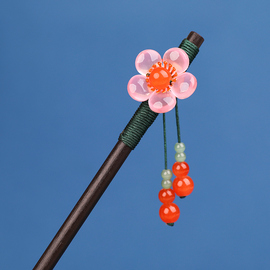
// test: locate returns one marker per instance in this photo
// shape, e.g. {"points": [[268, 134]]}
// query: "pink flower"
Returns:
{"points": [[162, 80]]}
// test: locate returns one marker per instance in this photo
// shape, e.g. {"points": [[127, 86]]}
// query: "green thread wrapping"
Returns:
{"points": [[144, 116], [177, 122], [191, 49], [138, 125], [165, 142]]}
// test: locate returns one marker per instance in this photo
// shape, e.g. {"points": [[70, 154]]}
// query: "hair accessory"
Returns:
{"points": [[161, 82], [142, 119]]}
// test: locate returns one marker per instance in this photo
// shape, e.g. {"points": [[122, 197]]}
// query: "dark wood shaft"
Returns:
{"points": [[83, 207]]}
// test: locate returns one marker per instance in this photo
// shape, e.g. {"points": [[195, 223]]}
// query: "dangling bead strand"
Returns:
{"points": [[182, 185], [168, 212]]}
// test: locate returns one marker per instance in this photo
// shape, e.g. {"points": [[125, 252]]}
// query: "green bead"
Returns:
{"points": [[166, 183], [179, 147], [180, 157], [166, 174]]}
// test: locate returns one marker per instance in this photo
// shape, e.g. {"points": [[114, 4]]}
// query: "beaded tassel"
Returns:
{"points": [[182, 185]]}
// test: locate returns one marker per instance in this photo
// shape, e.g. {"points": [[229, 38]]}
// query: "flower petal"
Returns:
{"points": [[162, 102], [146, 59], [178, 58], [138, 89], [184, 86]]}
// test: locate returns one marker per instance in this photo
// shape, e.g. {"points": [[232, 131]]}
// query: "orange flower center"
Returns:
{"points": [[160, 78]]}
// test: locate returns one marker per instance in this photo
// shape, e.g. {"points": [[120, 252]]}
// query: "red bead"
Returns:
{"points": [[183, 186], [160, 78], [169, 212], [180, 168], [166, 195]]}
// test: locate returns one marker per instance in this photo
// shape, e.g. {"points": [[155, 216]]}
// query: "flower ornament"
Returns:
{"points": [[162, 80]]}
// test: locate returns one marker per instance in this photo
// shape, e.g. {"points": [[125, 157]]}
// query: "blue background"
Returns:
{"points": [[64, 67]]}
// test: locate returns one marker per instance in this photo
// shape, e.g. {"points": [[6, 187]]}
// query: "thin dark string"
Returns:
{"points": [[177, 122], [165, 142]]}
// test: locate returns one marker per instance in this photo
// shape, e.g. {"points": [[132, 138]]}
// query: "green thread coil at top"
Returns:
{"points": [[144, 116], [191, 49]]}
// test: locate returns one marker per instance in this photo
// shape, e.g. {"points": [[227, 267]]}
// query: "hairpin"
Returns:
{"points": [[128, 140]]}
